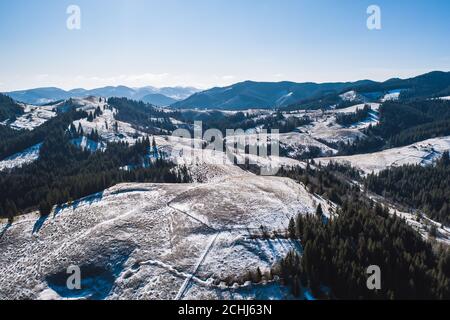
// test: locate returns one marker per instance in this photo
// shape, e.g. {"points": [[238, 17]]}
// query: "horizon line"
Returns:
{"points": [[215, 86]]}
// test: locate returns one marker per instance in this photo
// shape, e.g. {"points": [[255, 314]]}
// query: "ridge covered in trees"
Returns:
{"points": [[424, 188], [11, 143], [142, 115], [347, 119], [64, 173], [338, 251], [402, 124], [336, 255], [9, 109]]}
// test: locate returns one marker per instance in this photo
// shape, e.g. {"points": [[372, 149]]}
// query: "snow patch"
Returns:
{"points": [[423, 153], [22, 158]]}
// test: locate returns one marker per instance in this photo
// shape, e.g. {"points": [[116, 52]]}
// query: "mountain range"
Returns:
{"points": [[157, 96], [249, 94], [261, 95]]}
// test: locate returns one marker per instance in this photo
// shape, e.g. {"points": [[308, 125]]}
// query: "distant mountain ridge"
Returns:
{"points": [[260, 95], [157, 96], [250, 94]]}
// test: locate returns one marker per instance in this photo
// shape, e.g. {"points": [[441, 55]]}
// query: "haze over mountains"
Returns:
{"points": [[157, 96]]}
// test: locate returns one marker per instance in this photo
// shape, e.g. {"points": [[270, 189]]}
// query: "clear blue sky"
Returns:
{"points": [[206, 43]]}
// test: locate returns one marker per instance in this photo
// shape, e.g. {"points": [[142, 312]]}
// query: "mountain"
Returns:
{"points": [[165, 96], [432, 84], [250, 94], [158, 99], [177, 93], [265, 95], [39, 95]]}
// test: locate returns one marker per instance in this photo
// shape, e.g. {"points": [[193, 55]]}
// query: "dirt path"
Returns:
{"points": [[186, 282]]}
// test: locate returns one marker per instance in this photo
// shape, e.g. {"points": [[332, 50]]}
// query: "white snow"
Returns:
{"points": [[284, 98], [350, 96], [105, 123], [87, 144], [392, 95], [156, 241], [353, 109], [181, 241], [424, 153], [326, 128], [34, 116], [22, 158]]}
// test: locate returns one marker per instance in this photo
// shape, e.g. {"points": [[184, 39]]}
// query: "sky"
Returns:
{"points": [[207, 43]]}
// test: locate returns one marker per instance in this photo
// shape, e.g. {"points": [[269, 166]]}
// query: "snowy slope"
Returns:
{"points": [[392, 95], [87, 144], [353, 109], [154, 241], [22, 158], [105, 123], [424, 153], [352, 96], [33, 117], [327, 129]]}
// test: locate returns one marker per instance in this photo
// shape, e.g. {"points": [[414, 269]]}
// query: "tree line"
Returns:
{"points": [[402, 124], [9, 109], [144, 116], [64, 173], [347, 119], [426, 189], [338, 251]]}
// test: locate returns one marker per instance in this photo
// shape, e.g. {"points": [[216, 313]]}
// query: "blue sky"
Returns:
{"points": [[207, 43]]}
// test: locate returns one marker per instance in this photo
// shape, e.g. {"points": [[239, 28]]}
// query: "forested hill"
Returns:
{"points": [[337, 252], [9, 109], [426, 189], [402, 124], [64, 171]]}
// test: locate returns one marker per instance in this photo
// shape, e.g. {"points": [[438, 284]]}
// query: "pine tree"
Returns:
{"points": [[80, 129], [291, 228], [319, 211]]}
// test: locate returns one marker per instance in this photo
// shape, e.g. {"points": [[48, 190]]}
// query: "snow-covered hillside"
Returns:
{"points": [[22, 158], [33, 117], [392, 95], [182, 241], [352, 96], [106, 124], [424, 153], [156, 241]]}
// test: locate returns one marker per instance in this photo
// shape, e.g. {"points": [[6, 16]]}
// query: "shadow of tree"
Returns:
{"points": [[89, 200], [5, 228], [39, 223]]}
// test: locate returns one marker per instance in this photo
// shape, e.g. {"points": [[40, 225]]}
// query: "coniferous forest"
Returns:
{"points": [[336, 252], [64, 173], [347, 119], [401, 124], [354, 226], [426, 189]]}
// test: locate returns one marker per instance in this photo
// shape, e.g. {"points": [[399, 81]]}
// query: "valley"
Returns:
{"points": [[106, 184]]}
